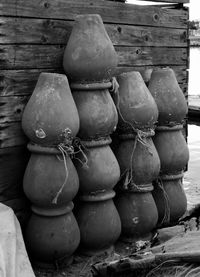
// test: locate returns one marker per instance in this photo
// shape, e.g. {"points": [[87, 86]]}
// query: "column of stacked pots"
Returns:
{"points": [[90, 61], [171, 145], [50, 120], [137, 156]]}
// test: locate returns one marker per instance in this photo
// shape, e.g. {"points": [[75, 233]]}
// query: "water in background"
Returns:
{"points": [[194, 71], [192, 176]]}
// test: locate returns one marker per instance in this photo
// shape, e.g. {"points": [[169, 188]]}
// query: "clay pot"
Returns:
{"points": [[89, 54], [98, 221], [169, 97], [98, 169], [138, 214], [52, 236], [170, 199], [138, 159], [172, 148], [51, 116], [136, 106], [50, 179], [97, 111]]}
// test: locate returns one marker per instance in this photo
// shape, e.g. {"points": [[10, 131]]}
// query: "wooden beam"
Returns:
{"points": [[50, 56], [48, 31], [22, 82], [11, 134], [168, 1], [111, 12]]}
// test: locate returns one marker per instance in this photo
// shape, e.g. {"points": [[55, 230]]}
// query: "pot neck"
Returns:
{"points": [[140, 134], [102, 141], [91, 86], [177, 127], [55, 211], [98, 196]]}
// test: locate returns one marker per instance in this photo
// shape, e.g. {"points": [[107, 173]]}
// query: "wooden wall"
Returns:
{"points": [[33, 35]]}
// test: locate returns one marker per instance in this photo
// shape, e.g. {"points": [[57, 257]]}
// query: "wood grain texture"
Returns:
{"points": [[48, 31], [12, 108], [168, 1], [112, 12], [11, 134], [13, 161], [22, 82], [50, 56]]}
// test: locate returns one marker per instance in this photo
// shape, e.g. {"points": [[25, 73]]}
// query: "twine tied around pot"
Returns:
{"points": [[166, 216]]}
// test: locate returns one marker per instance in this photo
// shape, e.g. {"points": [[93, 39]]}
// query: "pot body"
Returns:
{"points": [[98, 169], [138, 214], [138, 159], [172, 148], [52, 235], [170, 199], [99, 222], [97, 112], [50, 116], [89, 54], [169, 97], [50, 178], [136, 106]]}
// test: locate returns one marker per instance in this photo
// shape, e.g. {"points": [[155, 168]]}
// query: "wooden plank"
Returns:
{"points": [[13, 162], [48, 31], [12, 108], [50, 56], [22, 82], [11, 134], [168, 1], [110, 11]]}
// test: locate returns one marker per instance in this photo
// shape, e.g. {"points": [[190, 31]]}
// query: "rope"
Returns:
{"points": [[166, 217], [66, 149]]}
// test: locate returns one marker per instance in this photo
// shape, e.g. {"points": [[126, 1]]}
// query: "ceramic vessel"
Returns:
{"points": [[138, 159], [97, 111], [168, 95], [89, 54], [52, 236], [99, 222], [138, 214], [50, 116], [136, 107], [98, 169], [50, 179], [172, 148], [170, 199]]}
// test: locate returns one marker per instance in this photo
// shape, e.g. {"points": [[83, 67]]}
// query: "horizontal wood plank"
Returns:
{"points": [[50, 56], [11, 134], [13, 161], [22, 82], [110, 11], [167, 1], [12, 108], [48, 31]]}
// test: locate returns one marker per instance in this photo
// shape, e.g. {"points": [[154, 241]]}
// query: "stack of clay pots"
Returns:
{"points": [[137, 157], [50, 121], [170, 144], [89, 61]]}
